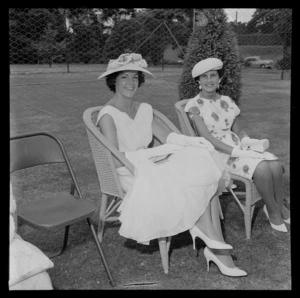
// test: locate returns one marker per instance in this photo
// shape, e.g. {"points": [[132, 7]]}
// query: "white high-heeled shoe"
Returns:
{"points": [[195, 232], [233, 272], [280, 228], [287, 221]]}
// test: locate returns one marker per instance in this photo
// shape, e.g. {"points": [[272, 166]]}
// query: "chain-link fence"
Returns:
{"points": [[68, 40], [93, 36]]}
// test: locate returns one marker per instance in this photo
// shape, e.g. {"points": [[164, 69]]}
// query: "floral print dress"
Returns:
{"points": [[219, 116]]}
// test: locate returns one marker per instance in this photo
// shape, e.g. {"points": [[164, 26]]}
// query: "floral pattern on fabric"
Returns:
{"points": [[219, 116], [194, 111]]}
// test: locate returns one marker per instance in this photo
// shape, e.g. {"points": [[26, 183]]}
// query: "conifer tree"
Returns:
{"points": [[213, 38]]}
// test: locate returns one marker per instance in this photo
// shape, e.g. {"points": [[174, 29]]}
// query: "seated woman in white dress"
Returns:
{"points": [[175, 185], [216, 118]]}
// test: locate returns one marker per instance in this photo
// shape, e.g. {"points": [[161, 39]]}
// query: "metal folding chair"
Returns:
{"points": [[58, 210]]}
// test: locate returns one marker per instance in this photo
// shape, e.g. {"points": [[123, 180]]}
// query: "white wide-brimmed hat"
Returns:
{"points": [[126, 62], [206, 65]]}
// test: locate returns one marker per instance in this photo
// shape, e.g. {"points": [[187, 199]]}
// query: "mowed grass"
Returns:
{"points": [[55, 102]]}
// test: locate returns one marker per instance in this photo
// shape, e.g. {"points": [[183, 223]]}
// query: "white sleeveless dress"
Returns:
{"points": [[180, 187]]}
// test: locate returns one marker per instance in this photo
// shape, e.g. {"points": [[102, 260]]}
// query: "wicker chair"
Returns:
{"points": [[112, 194], [250, 194]]}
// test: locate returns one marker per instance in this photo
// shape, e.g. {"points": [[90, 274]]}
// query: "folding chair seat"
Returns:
{"points": [[250, 194], [60, 209], [112, 194]]}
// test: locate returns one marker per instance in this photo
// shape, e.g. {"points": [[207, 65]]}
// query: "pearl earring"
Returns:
{"points": [[200, 87]]}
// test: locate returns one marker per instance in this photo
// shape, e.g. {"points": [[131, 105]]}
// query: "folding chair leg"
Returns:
{"points": [[164, 246], [101, 252], [64, 244]]}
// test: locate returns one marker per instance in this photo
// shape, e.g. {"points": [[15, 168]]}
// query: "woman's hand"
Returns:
{"points": [[239, 152], [183, 140], [255, 144]]}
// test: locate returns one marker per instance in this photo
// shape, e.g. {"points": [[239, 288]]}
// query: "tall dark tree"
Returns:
{"points": [[26, 25], [283, 27], [152, 39], [123, 36], [214, 38], [179, 22], [35, 33], [173, 15], [112, 16], [278, 21], [145, 35], [48, 49]]}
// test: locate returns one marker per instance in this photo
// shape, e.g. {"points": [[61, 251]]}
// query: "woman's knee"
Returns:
{"points": [[276, 167], [262, 171]]}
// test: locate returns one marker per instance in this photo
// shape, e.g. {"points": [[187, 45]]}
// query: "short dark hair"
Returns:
{"points": [[111, 80]]}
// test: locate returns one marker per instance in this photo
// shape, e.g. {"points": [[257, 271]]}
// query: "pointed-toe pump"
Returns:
{"points": [[279, 228], [233, 272], [195, 232]]}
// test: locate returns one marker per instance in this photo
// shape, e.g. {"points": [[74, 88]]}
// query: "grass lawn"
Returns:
{"points": [[55, 101]]}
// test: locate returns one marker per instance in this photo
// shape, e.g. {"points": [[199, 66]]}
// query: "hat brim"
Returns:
{"points": [[206, 65], [125, 67], [198, 73]]}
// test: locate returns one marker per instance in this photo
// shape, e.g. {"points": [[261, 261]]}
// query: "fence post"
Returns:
{"points": [[67, 54], [67, 38]]}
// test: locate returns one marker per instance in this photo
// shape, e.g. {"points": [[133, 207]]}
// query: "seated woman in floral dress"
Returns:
{"points": [[216, 118]]}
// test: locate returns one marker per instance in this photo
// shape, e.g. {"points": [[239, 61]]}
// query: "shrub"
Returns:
{"points": [[215, 39], [285, 62]]}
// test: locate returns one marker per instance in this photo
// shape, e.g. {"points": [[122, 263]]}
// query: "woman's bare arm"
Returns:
{"points": [[108, 129], [204, 132], [236, 128]]}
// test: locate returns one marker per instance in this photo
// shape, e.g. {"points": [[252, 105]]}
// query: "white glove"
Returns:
{"points": [[183, 140], [254, 144], [239, 152]]}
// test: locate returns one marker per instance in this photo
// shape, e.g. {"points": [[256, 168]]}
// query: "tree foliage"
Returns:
{"points": [[277, 20], [146, 34], [123, 34], [94, 34], [116, 14], [47, 48], [179, 22], [91, 35], [265, 20], [215, 39], [173, 15], [36, 34]]}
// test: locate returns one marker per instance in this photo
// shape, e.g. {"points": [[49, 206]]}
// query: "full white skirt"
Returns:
{"points": [[168, 197]]}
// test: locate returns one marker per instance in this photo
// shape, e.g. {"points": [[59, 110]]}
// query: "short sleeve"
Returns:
{"points": [[192, 107], [105, 110], [233, 105]]}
